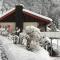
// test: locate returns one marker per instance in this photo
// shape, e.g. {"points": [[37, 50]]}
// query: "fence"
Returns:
{"points": [[52, 36]]}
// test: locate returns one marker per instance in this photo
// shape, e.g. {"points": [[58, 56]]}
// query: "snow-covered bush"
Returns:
{"points": [[32, 39], [34, 34], [15, 39], [23, 38], [44, 41], [4, 32]]}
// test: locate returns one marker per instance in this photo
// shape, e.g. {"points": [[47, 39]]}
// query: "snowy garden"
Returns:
{"points": [[29, 45]]}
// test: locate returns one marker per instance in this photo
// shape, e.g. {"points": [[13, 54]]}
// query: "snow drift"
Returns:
{"points": [[15, 52]]}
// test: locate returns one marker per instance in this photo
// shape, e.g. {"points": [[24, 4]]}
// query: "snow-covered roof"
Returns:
{"points": [[27, 11], [7, 12], [33, 13]]}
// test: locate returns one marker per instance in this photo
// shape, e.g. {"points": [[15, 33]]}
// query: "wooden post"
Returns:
{"points": [[45, 27]]}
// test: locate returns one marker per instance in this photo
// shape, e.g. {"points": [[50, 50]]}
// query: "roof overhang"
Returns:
{"points": [[29, 13], [6, 14], [36, 15]]}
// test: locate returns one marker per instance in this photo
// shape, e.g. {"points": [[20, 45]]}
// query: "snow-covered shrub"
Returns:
{"points": [[9, 36], [15, 39], [44, 41], [4, 31], [32, 39], [23, 38], [34, 34]]}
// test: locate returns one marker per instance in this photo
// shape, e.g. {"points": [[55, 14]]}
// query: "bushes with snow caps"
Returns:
{"points": [[23, 38], [34, 34], [30, 37]]}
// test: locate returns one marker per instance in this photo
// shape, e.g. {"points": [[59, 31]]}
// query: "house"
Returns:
{"points": [[20, 17]]}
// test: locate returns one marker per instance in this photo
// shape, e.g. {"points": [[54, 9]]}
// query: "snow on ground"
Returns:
{"points": [[0, 55], [16, 53], [19, 53]]}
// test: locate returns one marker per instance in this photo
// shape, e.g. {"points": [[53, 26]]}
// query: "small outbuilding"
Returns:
{"points": [[20, 17]]}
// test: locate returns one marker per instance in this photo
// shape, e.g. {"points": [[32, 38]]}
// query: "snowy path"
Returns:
{"points": [[15, 52]]}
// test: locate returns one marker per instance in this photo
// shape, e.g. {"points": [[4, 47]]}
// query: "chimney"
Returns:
{"points": [[19, 16]]}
